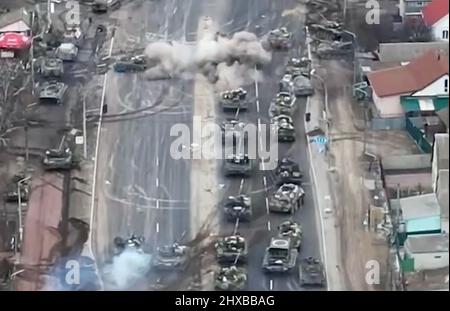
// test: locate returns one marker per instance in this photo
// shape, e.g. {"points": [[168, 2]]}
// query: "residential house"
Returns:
{"points": [[440, 175], [435, 16], [425, 252], [18, 21], [411, 9]]}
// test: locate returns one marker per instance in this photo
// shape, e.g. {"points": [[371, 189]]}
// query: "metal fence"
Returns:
{"points": [[418, 136]]}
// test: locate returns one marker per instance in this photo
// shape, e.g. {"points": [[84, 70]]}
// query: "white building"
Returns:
{"points": [[427, 252], [435, 15]]}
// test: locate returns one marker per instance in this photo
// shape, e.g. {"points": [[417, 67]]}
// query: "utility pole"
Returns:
{"points": [[19, 209]]}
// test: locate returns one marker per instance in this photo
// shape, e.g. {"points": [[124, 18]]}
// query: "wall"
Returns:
{"points": [[435, 88], [388, 106], [426, 261], [439, 27], [407, 162]]}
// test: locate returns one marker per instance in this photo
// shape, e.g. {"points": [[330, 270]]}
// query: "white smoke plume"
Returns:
{"points": [[229, 62]]}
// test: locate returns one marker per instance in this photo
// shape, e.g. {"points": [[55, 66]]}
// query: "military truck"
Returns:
{"points": [[230, 279], [231, 249], [134, 242], [51, 67], [52, 92], [131, 64], [55, 159], [11, 194], [238, 207], [280, 256], [233, 130], [238, 165], [171, 257], [280, 39], [287, 199], [282, 104], [298, 85], [284, 126], [312, 272], [288, 172], [292, 230], [233, 99]]}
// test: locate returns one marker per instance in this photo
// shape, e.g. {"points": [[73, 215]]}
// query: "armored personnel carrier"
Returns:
{"points": [[134, 242], [231, 249], [238, 207], [238, 165], [131, 64], [171, 257], [284, 125], [58, 159], [51, 67], [280, 256], [287, 199], [234, 99], [52, 92], [282, 104], [312, 272], [11, 194], [298, 85], [230, 279], [280, 39], [288, 172], [293, 230]]}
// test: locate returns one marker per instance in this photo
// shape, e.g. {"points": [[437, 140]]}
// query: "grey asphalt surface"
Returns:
{"points": [[148, 192]]}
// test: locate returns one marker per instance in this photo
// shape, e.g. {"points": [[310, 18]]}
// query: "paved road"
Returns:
{"points": [[142, 189]]}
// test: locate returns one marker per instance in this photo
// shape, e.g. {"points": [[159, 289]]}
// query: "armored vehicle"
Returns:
{"points": [[230, 278], [287, 199], [12, 195], [312, 272], [238, 207], [171, 257], [52, 92], [231, 249], [134, 242], [131, 64], [293, 230], [299, 66], [280, 39], [327, 31], [332, 49], [298, 85], [288, 172], [58, 159], [280, 256], [233, 130], [240, 165], [285, 127], [102, 6], [282, 104], [234, 99], [67, 52], [51, 67]]}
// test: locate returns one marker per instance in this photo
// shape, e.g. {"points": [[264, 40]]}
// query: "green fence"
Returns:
{"points": [[418, 136]]}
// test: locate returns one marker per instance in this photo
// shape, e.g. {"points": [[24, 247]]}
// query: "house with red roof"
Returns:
{"points": [[435, 16], [420, 85]]}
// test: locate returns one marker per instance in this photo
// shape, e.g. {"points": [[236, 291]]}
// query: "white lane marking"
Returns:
{"points": [[271, 285], [267, 205], [157, 204], [241, 186], [52, 7], [265, 181], [157, 227], [157, 161], [257, 105], [111, 47], [256, 84], [157, 182], [268, 226]]}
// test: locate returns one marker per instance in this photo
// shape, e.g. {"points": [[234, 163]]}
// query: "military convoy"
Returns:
{"points": [[238, 165], [230, 279], [238, 207], [231, 249], [280, 39], [312, 272], [131, 64], [171, 257], [234, 99], [287, 199], [280, 256], [52, 92]]}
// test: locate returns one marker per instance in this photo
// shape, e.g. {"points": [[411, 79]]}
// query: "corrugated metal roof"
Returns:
{"points": [[425, 205], [427, 243]]}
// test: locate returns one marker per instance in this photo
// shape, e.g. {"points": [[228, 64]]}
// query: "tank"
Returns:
{"points": [[327, 50], [131, 64], [312, 272], [238, 165], [297, 85], [238, 207], [52, 92], [133, 242], [282, 104], [233, 99], [293, 230], [287, 199], [58, 159], [288, 171], [280, 256], [280, 39], [284, 126], [51, 67], [171, 257], [230, 279], [231, 249], [233, 131]]}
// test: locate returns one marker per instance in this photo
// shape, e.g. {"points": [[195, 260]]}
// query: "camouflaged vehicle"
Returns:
{"points": [[51, 67], [280, 256], [293, 230], [131, 64], [282, 104], [238, 207], [298, 85], [230, 279], [234, 99], [288, 172], [238, 165], [171, 257], [231, 249], [58, 159], [287, 199], [280, 39], [284, 125], [312, 272], [52, 92]]}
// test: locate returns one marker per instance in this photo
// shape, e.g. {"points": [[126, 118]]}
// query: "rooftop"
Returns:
{"points": [[434, 11], [427, 243], [441, 155], [405, 51], [425, 205], [416, 75], [15, 16]]}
